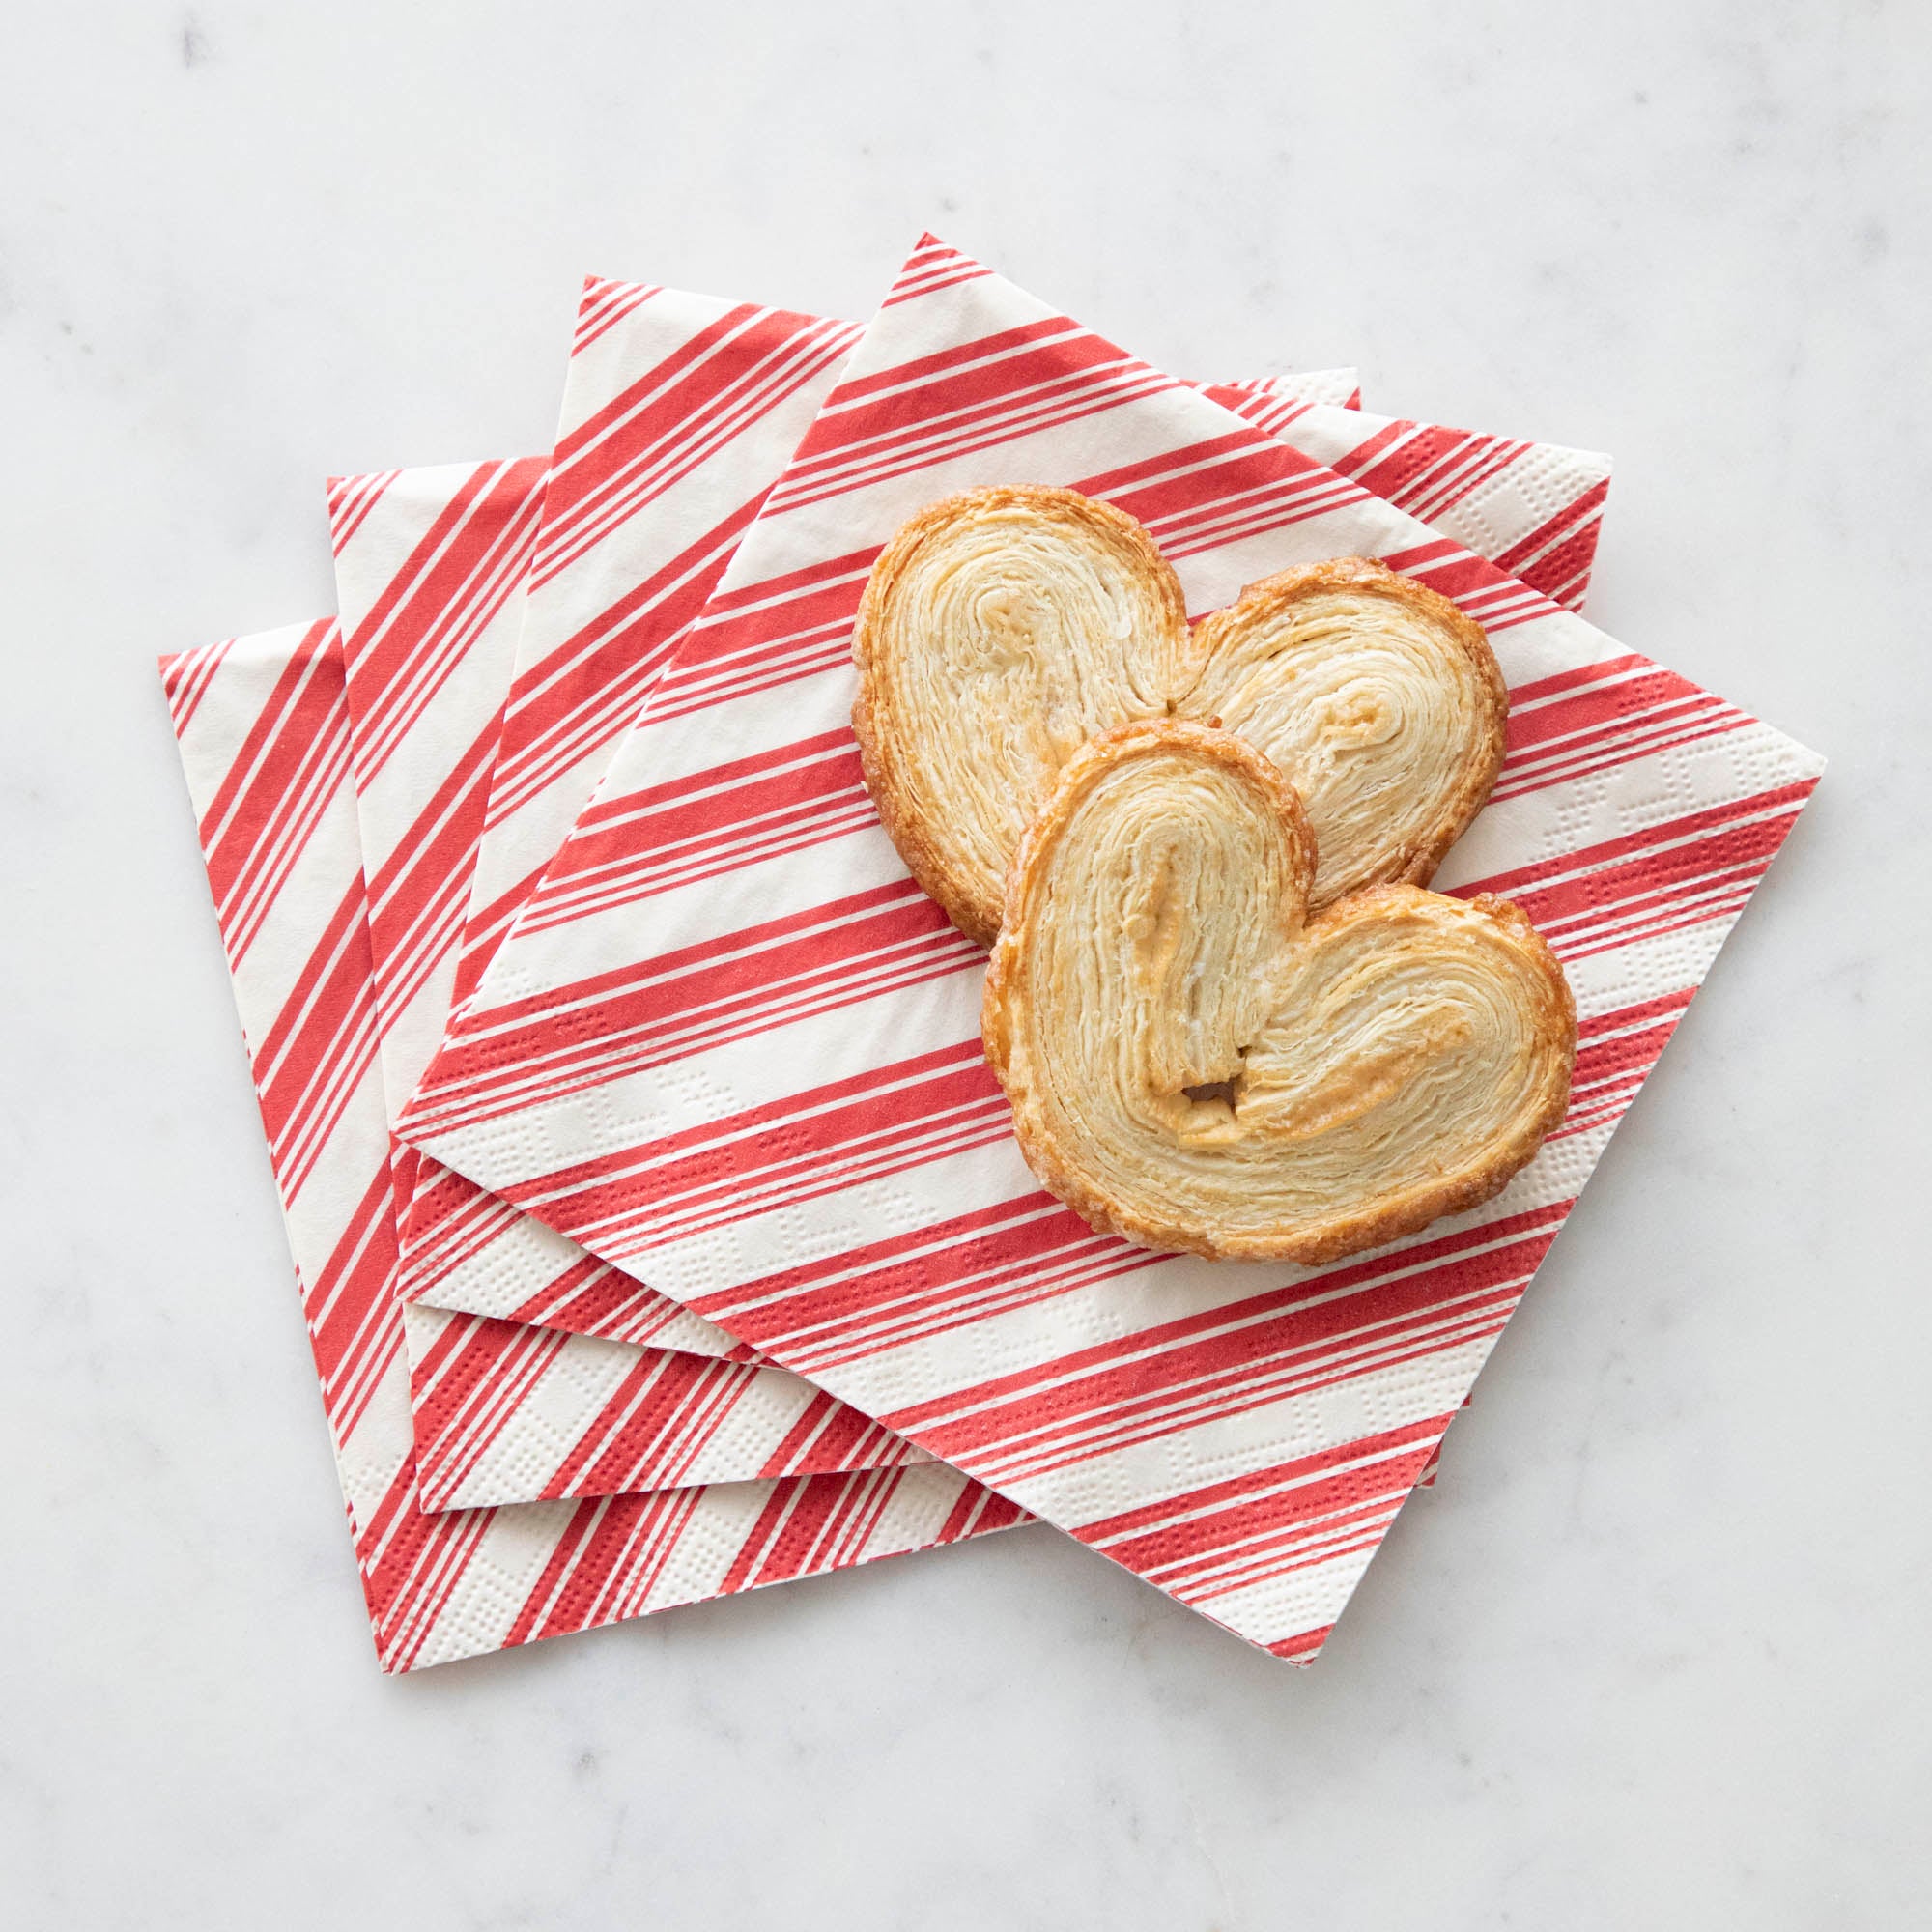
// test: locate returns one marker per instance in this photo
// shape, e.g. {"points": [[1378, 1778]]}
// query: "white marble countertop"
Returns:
{"points": [[1654, 1652]]}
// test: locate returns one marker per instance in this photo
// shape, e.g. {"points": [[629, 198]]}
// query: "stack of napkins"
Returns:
{"points": [[658, 1224]]}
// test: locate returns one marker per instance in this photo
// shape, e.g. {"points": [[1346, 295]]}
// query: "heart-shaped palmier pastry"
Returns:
{"points": [[1002, 629], [1196, 1062]]}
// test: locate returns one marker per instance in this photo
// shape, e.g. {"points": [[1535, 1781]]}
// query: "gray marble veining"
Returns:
{"points": [[1653, 1653]]}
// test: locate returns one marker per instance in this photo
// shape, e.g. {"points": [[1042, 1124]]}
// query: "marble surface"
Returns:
{"points": [[1654, 1652]]}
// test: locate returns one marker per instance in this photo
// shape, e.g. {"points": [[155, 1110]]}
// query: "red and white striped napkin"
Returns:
{"points": [[754, 1076], [628, 525], [679, 413], [264, 743]]}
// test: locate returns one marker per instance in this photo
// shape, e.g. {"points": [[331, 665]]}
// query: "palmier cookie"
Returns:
{"points": [[1196, 1062]]}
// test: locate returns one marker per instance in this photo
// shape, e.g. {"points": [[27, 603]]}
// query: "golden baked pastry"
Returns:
{"points": [[1002, 629], [1195, 1063]]}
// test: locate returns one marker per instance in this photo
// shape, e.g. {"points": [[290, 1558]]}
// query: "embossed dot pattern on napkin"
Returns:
{"points": [[765, 1093]]}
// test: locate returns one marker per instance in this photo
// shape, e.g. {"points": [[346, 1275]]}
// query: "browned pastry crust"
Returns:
{"points": [[1000, 629], [1195, 1064]]}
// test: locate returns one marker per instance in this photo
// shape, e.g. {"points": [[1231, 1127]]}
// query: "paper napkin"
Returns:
{"points": [[764, 1092], [439, 595], [264, 739], [679, 413], [637, 530]]}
